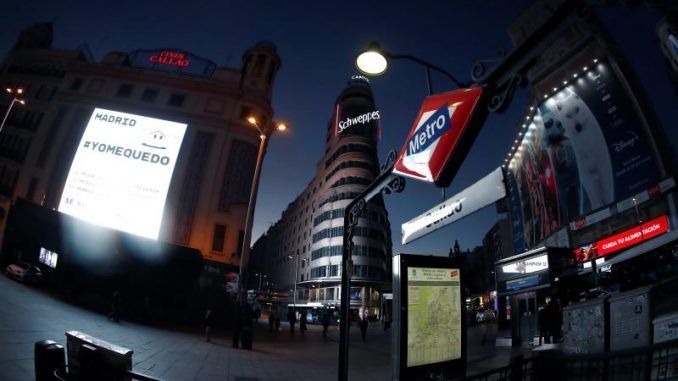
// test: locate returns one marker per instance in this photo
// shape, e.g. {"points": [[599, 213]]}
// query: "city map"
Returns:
{"points": [[433, 315]]}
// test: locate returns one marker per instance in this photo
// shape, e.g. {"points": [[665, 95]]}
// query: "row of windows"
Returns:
{"points": [[359, 231], [328, 215], [38, 69], [363, 271], [362, 148], [351, 164], [338, 197], [359, 250], [219, 239], [351, 180], [24, 119]]}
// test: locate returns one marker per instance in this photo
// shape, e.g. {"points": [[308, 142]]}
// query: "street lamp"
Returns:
{"points": [[16, 93], [264, 135], [374, 61]]}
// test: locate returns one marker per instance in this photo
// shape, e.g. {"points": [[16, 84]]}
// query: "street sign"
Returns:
{"points": [[482, 193], [439, 140]]}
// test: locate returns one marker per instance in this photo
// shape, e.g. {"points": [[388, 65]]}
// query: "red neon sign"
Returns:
{"points": [[630, 237], [171, 58]]}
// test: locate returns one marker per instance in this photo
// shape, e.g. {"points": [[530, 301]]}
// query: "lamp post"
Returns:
{"points": [[16, 93], [374, 61], [265, 133], [260, 276], [296, 278]]}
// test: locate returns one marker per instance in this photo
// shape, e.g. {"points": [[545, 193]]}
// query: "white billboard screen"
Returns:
{"points": [[121, 171]]}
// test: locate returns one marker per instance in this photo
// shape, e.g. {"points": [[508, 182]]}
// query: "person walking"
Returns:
{"points": [[292, 318], [362, 323], [207, 322], [325, 323], [116, 301], [302, 321]]}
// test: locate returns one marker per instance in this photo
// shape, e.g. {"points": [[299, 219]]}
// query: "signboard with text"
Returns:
{"points": [[627, 238], [482, 193], [439, 139], [121, 171], [172, 61]]}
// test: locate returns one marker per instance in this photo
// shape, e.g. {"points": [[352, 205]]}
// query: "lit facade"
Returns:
{"points": [[305, 245], [207, 200]]}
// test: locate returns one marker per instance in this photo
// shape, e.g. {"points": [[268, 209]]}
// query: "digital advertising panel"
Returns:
{"points": [[121, 171], [584, 148]]}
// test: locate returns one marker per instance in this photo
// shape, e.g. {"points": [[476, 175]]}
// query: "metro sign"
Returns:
{"points": [[439, 130]]}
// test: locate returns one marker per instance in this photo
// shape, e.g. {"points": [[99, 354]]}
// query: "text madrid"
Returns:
{"points": [[127, 152]]}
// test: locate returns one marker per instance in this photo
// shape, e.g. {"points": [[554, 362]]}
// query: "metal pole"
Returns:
{"points": [[296, 275], [429, 84], [2, 125]]}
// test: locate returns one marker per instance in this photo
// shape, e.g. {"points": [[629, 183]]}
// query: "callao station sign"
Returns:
{"points": [[438, 140]]}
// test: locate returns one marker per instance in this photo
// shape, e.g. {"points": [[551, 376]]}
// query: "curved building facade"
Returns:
{"points": [[307, 241]]}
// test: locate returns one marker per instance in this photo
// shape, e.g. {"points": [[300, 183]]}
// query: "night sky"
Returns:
{"points": [[318, 42]]}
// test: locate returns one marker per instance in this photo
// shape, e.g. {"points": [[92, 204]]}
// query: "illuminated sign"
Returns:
{"points": [[173, 61], [627, 238], [360, 119], [169, 57], [437, 132], [121, 172], [482, 193], [433, 315], [527, 266]]}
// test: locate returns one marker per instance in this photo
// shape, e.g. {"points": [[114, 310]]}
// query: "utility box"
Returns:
{"points": [[585, 327], [631, 319], [114, 359]]}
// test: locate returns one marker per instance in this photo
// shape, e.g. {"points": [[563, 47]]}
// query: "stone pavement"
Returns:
{"points": [[31, 314]]}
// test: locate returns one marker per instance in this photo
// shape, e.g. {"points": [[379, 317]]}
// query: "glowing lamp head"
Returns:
{"points": [[8, 90], [372, 61], [19, 91], [281, 127], [23, 102], [252, 120]]}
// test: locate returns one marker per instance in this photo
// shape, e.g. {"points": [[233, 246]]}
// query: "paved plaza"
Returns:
{"points": [[31, 314]]}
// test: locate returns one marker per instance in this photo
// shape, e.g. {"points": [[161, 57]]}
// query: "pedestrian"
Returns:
{"points": [[207, 323], [302, 322], [116, 301], [325, 323], [292, 318], [277, 321], [362, 323], [387, 322], [271, 321]]}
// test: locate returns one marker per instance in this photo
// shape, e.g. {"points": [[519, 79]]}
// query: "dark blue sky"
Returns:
{"points": [[318, 42]]}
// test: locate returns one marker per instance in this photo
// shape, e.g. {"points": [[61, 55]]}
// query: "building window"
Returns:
{"points": [[124, 91], [218, 238], [302, 277], [149, 95], [239, 174], [77, 84], [176, 100]]}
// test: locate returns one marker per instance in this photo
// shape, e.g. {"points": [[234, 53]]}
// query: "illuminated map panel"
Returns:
{"points": [[121, 172], [433, 315]]}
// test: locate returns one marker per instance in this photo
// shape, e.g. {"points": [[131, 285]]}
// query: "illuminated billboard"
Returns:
{"points": [[121, 171], [584, 148]]}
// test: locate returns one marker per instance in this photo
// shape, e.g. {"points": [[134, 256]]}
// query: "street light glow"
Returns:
{"points": [[372, 61], [252, 120], [281, 127], [20, 91]]}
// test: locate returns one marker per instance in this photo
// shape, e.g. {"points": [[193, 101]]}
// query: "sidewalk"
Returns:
{"points": [[29, 315]]}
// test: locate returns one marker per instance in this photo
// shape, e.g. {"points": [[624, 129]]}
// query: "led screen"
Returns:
{"points": [[585, 148], [121, 171]]}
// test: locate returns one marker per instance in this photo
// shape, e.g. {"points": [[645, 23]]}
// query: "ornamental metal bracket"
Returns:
{"points": [[478, 70], [500, 100]]}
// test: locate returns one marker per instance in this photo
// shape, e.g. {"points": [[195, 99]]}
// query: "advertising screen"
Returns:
{"points": [[584, 148], [121, 171], [433, 315]]}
